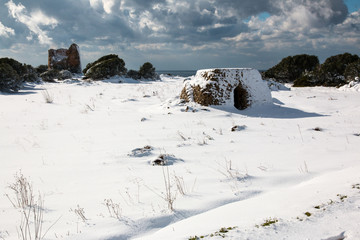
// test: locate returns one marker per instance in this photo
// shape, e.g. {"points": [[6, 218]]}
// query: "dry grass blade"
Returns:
{"points": [[180, 184], [113, 208], [169, 195], [49, 98], [32, 211]]}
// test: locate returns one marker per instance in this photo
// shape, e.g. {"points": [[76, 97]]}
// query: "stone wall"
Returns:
{"points": [[65, 59]]}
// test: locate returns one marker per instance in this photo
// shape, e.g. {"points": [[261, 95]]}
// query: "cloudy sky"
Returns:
{"points": [[187, 34]]}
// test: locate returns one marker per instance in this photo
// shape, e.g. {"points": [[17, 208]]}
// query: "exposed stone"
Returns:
{"points": [[239, 87], [65, 59]]}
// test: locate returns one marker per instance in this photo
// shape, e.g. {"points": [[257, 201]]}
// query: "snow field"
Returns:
{"points": [[75, 151]]}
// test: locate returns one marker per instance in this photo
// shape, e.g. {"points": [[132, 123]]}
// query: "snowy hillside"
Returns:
{"points": [[96, 152]]}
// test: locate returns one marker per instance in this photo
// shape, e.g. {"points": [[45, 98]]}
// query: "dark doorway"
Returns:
{"points": [[240, 97]]}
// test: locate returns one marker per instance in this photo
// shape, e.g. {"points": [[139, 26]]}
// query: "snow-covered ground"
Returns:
{"points": [[90, 154]]}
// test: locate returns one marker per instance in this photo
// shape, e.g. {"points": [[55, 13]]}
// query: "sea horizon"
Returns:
{"points": [[183, 73]]}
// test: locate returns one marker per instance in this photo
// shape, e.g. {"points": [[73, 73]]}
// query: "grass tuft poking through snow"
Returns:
{"points": [[48, 97], [30, 207]]}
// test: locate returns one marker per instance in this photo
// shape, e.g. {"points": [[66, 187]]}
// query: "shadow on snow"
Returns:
{"points": [[271, 111]]}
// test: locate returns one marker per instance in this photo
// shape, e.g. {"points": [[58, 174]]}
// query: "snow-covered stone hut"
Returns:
{"points": [[239, 87]]}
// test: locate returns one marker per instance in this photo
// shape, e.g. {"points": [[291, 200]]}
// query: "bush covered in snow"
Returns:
{"points": [[14, 73], [292, 67], [105, 67]]}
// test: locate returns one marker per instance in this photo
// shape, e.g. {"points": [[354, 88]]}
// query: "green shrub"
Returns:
{"points": [[41, 69], [14, 73], [18, 67], [9, 79], [304, 81], [107, 57], [133, 74], [147, 71], [105, 67], [332, 71], [336, 65], [50, 76], [352, 70], [292, 67]]}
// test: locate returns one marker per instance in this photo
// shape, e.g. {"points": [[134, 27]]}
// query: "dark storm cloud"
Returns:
{"points": [[323, 12], [246, 8], [144, 4], [192, 22], [339, 12], [162, 26]]}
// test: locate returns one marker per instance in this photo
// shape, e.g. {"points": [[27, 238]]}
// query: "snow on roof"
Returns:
{"points": [[227, 79]]}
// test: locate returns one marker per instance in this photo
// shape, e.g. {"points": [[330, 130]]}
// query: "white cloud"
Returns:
{"points": [[312, 24], [152, 46], [32, 21], [106, 5], [6, 31]]}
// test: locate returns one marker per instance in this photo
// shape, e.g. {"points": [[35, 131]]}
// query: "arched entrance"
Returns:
{"points": [[240, 97]]}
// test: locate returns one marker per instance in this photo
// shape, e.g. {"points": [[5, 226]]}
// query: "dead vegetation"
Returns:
{"points": [[31, 209]]}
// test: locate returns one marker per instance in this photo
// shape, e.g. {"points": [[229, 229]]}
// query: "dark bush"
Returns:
{"points": [[105, 67], [292, 67], [304, 81], [133, 74], [50, 76], [14, 73], [107, 57], [18, 67], [352, 71], [336, 65], [147, 71], [31, 74], [332, 73], [9, 79], [41, 69]]}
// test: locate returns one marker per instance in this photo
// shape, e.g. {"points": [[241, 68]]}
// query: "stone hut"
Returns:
{"points": [[65, 59], [239, 87]]}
